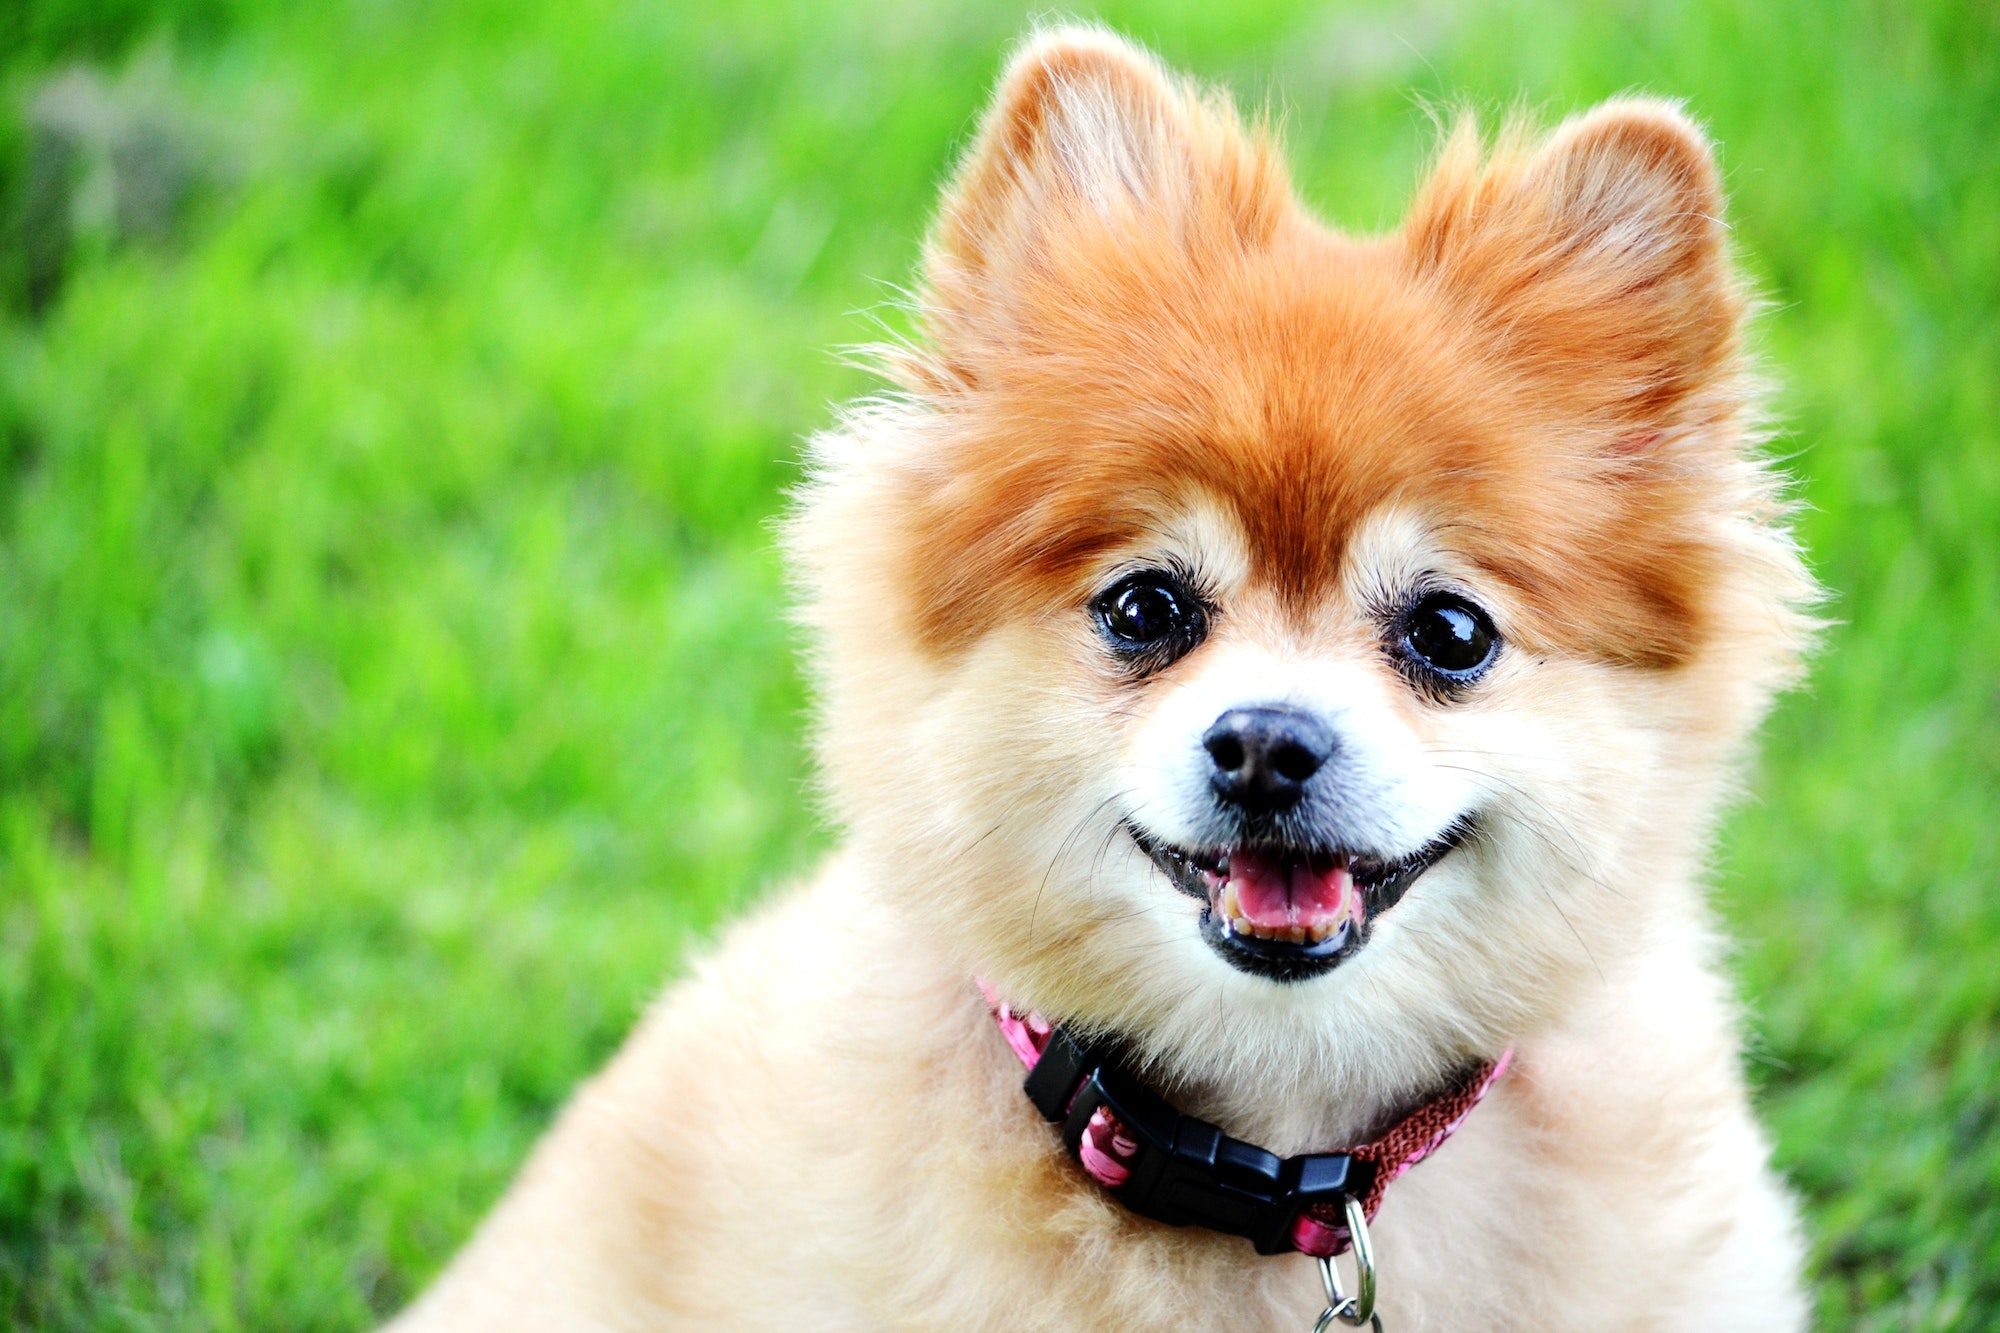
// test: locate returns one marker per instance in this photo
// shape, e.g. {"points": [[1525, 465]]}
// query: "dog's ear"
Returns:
{"points": [[1089, 148], [1597, 260]]}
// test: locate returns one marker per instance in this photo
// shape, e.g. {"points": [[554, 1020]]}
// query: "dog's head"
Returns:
{"points": [[1257, 639]]}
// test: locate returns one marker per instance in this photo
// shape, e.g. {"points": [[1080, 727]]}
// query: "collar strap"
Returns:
{"points": [[1183, 1171]]}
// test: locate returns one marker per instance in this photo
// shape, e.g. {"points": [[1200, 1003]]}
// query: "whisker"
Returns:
{"points": [[1062, 849]]}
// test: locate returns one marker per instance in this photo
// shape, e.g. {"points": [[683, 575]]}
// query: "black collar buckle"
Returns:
{"points": [[1187, 1172]]}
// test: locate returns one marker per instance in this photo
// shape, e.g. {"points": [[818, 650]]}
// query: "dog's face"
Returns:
{"points": [[1283, 647]]}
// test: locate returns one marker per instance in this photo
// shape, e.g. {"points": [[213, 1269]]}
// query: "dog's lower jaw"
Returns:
{"points": [[821, 1128]]}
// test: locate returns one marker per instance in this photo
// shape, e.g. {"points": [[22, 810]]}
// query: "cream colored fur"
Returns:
{"points": [[821, 1129]]}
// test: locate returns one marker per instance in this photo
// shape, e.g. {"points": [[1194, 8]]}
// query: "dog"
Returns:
{"points": [[1296, 675]]}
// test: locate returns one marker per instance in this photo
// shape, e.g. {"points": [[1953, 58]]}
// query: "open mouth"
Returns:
{"points": [[1286, 913]]}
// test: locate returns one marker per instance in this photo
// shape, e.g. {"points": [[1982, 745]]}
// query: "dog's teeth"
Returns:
{"points": [[1226, 903]]}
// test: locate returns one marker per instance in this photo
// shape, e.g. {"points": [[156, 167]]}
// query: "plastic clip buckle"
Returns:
{"points": [[1187, 1172]]}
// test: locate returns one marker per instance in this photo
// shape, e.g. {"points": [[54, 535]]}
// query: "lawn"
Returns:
{"points": [[395, 676]]}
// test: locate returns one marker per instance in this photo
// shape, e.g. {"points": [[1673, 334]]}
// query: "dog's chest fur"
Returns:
{"points": [[824, 1131]]}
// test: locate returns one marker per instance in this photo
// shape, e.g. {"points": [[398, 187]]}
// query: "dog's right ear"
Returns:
{"points": [[1088, 143]]}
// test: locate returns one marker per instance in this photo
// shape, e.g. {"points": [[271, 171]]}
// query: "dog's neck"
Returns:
{"points": [[1179, 1169], [1311, 1105]]}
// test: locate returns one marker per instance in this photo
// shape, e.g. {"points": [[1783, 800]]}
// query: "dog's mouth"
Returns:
{"points": [[1287, 913]]}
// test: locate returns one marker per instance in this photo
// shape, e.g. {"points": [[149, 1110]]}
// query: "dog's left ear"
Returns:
{"points": [[1092, 157], [1596, 262]]}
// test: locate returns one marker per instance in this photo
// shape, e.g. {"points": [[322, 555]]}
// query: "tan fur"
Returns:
{"points": [[1140, 349]]}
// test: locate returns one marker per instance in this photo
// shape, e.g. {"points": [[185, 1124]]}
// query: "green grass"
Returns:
{"points": [[393, 667]]}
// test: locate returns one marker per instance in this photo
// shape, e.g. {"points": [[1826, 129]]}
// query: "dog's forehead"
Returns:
{"points": [[1391, 550], [1299, 391]]}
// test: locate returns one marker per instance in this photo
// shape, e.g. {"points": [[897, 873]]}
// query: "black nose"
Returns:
{"points": [[1263, 756]]}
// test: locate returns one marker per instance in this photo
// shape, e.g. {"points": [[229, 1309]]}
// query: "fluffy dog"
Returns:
{"points": [[1314, 663]]}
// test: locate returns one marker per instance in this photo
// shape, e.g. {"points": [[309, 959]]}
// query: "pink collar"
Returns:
{"points": [[1184, 1171]]}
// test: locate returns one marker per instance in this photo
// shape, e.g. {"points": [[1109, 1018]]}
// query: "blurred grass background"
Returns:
{"points": [[393, 671]]}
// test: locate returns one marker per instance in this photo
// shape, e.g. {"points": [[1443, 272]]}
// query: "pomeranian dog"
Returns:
{"points": [[1280, 687]]}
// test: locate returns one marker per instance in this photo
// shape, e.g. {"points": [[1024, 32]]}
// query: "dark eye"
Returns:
{"points": [[1450, 636], [1151, 617]]}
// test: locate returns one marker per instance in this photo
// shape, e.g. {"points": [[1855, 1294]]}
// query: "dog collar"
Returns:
{"points": [[1183, 1171]]}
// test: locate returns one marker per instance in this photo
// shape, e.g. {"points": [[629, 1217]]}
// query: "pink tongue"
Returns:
{"points": [[1273, 893]]}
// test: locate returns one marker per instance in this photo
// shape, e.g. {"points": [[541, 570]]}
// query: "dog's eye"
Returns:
{"points": [[1151, 617], [1450, 636], [1146, 609]]}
